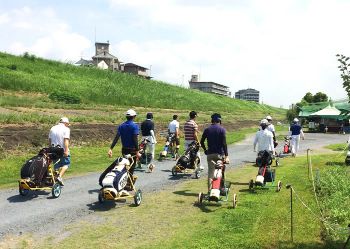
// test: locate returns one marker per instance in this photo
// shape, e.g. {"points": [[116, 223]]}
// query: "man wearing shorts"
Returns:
{"points": [[59, 136]]}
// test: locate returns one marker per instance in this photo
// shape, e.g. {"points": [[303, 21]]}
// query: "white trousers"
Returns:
{"points": [[151, 145], [294, 143]]}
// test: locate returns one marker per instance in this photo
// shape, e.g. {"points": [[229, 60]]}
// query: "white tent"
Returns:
{"points": [[327, 112]]}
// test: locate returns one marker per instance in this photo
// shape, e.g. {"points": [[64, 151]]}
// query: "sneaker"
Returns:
{"points": [[60, 181], [201, 167]]}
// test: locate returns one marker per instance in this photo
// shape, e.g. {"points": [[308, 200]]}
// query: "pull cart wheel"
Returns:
{"points": [[197, 173], [200, 198], [234, 203], [173, 171], [138, 197], [279, 186], [101, 198], [56, 190], [251, 184], [22, 191]]}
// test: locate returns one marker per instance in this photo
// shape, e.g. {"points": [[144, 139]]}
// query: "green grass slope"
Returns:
{"points": [[94, 86]]}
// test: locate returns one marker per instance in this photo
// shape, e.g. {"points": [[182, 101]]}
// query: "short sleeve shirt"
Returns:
{"points": [[190, 128], [215, 135], [295, 129], [127, 131], [173, 125], [146, 127], [58, 133]]}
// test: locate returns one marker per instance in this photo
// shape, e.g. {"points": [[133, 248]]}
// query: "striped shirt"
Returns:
{"points": [[190, 128]]}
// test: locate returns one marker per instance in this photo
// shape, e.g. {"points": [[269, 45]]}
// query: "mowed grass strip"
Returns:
{"points": [[172, 219]]}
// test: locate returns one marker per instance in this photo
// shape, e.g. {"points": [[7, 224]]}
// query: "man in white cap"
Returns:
{"points": [[128, 132], [271, 128], [59, 136], [264, 138], [295, 131]]}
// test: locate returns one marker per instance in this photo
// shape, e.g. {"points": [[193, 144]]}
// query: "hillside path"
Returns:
{"points": [[38, 212]]}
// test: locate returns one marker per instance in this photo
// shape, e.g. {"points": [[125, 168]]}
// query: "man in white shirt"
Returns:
{"points": [[59, 136], [173, 128], [264, 138]]}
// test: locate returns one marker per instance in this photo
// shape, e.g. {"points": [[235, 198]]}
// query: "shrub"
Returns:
{"points": [[68, 98], [12, 67]]}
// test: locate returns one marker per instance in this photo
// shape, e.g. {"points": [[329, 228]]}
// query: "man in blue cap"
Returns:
{"points": [[215, 135]]}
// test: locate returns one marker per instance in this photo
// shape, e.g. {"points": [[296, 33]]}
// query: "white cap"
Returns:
{"points": [[130, 113], [64, 120], [264, 121], [268, 117], [295, 120]]}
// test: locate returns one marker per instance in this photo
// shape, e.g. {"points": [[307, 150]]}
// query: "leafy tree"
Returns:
{"points": [[345, 74], [320, 97], [291, 114], [308, 97]]}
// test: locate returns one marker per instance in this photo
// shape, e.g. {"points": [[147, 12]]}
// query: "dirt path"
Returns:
{"points": [[39, 213]]}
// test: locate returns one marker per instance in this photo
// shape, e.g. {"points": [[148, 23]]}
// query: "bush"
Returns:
{"points": [[68, 98], [12, 67]]}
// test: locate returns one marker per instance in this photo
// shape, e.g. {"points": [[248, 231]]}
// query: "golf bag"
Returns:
{"points": [[116, 174], [187, 160], [169, 139], [145, 156], [265, 174], [286, 147], [36, 167]]}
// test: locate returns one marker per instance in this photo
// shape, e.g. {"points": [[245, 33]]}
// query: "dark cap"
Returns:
{"points": [[193, 114], [216, 117], [149, 115]]}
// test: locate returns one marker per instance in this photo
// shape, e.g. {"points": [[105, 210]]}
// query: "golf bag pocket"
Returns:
{"points": [[184, 161], [270, 175], [35, 168]]}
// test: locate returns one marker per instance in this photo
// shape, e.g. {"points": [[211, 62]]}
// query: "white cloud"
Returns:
{"points": [[42, 33]]}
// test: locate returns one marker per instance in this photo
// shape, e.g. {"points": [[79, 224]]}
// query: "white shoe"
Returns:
{"points": [[201, 167]]}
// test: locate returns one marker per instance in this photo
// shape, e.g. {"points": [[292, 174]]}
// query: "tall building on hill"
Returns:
{"points": [[103, 59], [248, 94], [209, 86]]}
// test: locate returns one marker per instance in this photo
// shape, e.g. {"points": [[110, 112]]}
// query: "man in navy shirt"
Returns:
{"points": [[215, 135], [295, 131], [128, 132]]}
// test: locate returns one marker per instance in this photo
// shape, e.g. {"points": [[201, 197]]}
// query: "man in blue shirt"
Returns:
{"points": [[215, 135], [128, 132], [295, 131]]}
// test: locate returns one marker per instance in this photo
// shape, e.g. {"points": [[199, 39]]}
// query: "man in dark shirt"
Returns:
{"points": [[128, 132], [147, 131], [215, 135]]}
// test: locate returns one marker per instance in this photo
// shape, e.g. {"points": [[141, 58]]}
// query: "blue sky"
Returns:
{"points": [[281, 48]]}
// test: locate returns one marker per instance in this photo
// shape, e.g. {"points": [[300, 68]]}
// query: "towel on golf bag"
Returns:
{"points": [[35, 168], [264, 158], [115, 175]]}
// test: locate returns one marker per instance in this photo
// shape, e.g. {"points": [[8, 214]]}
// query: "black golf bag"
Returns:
{"points": [[187, 160]]}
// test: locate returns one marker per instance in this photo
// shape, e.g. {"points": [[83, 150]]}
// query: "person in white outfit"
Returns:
{"points": [[264, 138], [174, 128], [295, 131]]}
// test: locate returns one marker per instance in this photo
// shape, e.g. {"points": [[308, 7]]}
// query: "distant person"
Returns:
{"points": [[59, 136], [264, 138], [215, 135], [295, 131], [147, 131], [128, 132], [271, 128], [191, 132], [174, 128]]}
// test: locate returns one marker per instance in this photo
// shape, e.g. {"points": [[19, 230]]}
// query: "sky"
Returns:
{"points": [[283, 49]]}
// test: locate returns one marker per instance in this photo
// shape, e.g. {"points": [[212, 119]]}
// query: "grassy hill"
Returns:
{"points": [[35, 82]]}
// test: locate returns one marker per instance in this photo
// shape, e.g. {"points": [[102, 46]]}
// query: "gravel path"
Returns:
{"points": [[38, 212]]}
